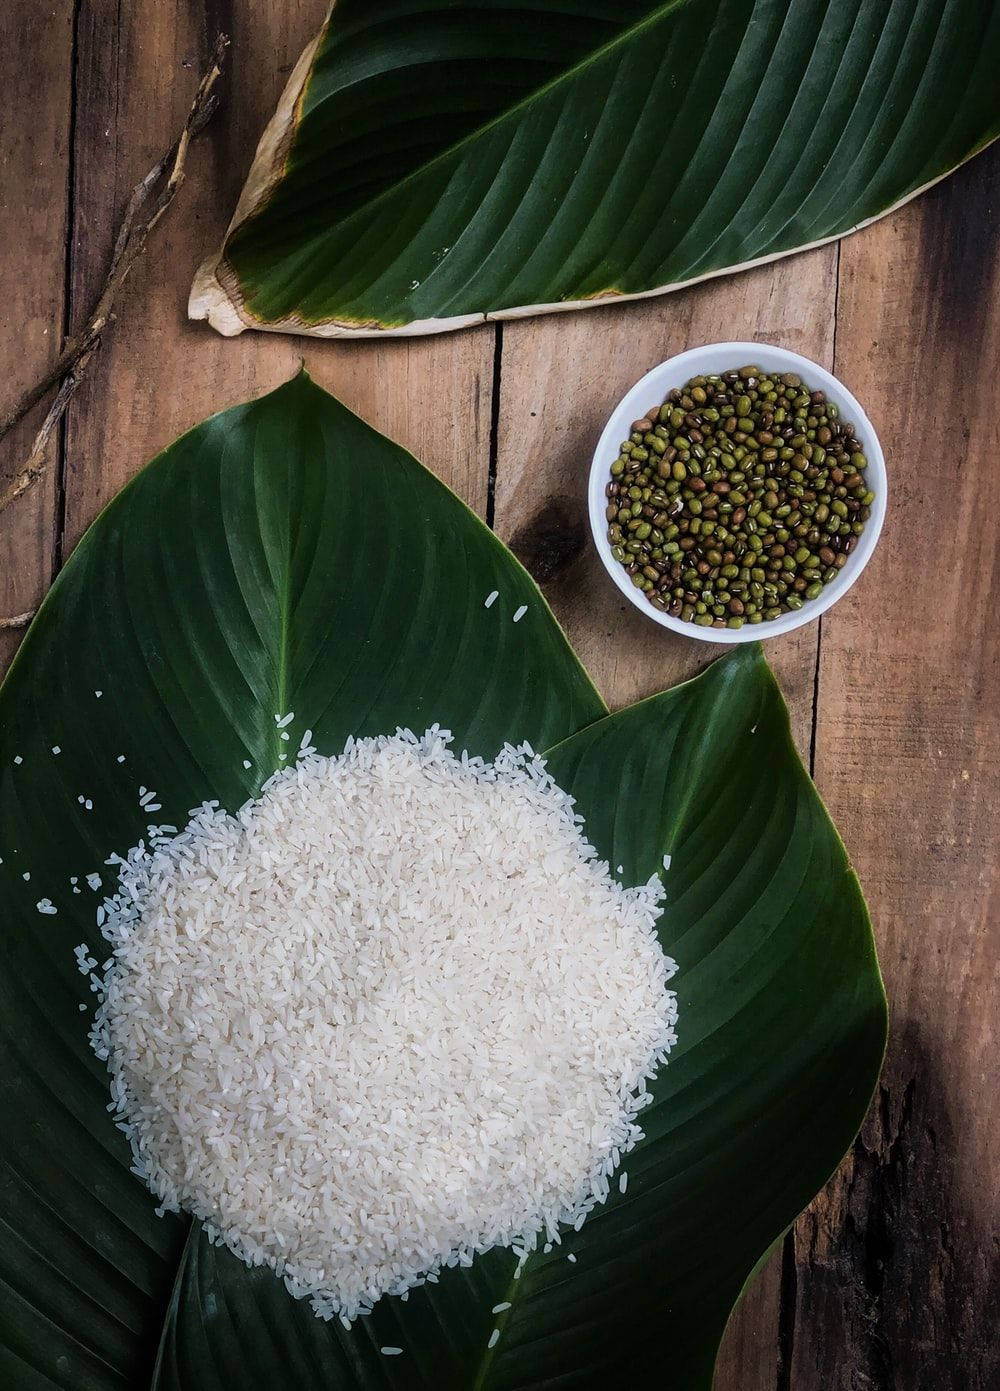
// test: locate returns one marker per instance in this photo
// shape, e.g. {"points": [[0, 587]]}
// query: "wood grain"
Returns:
{"points": [[898, 1271], [158, 373], [35, 81]]}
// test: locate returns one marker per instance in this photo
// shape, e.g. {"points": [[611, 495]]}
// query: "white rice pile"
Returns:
{"points": [[390, 1014]]}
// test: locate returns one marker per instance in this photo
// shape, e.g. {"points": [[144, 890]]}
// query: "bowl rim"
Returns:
{"points": [[674, 371]]}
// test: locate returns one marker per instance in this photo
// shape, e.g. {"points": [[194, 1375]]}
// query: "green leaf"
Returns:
{"points": [[281, 557], [432, 164], [779, 987], [284, 556]]}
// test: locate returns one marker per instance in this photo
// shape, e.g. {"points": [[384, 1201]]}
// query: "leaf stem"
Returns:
{"points": [[509, 1299], [173, 1304]]}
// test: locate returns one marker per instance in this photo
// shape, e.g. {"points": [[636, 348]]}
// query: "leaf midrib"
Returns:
{"points": [[284, 596], [620, 40], [509, 1297], [173, 1303]]}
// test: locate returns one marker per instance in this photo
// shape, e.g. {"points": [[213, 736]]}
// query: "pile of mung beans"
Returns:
{"points": [[738, 499]]}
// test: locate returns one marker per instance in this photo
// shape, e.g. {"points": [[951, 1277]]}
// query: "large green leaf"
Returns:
{"points": [[283, 556], [434, 162]]}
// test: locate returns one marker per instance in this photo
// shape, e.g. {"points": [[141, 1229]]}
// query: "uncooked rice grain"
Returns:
{"points": [[390, 1014]]}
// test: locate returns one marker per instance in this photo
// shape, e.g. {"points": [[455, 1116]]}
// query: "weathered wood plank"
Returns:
{"points": [[35, 79], [898, 1273], [560, 379], [159, 374]]}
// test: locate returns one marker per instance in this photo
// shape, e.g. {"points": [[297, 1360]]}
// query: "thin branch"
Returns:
{"points": [[35, 466], [130, 244], [20, 620]]}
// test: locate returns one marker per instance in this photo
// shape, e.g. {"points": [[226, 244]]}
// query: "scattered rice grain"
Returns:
{"points": [[248, 1063]]}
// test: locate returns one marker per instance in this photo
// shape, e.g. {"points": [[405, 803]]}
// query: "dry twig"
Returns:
{"points": [[20, 620], [71, 365], [35, 465]]}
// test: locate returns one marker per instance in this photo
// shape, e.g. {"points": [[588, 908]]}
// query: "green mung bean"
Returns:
{"points": [[737, 499]]}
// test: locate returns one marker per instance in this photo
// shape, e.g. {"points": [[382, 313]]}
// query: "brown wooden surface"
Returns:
{"points": [[35, 76], [890, 1282], [897, 1277]]}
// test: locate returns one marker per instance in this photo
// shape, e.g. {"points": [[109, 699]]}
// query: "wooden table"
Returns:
{"points": [[891, 1279]]}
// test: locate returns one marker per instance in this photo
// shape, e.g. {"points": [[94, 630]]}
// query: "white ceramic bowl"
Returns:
{"points": [[722, 357]]}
